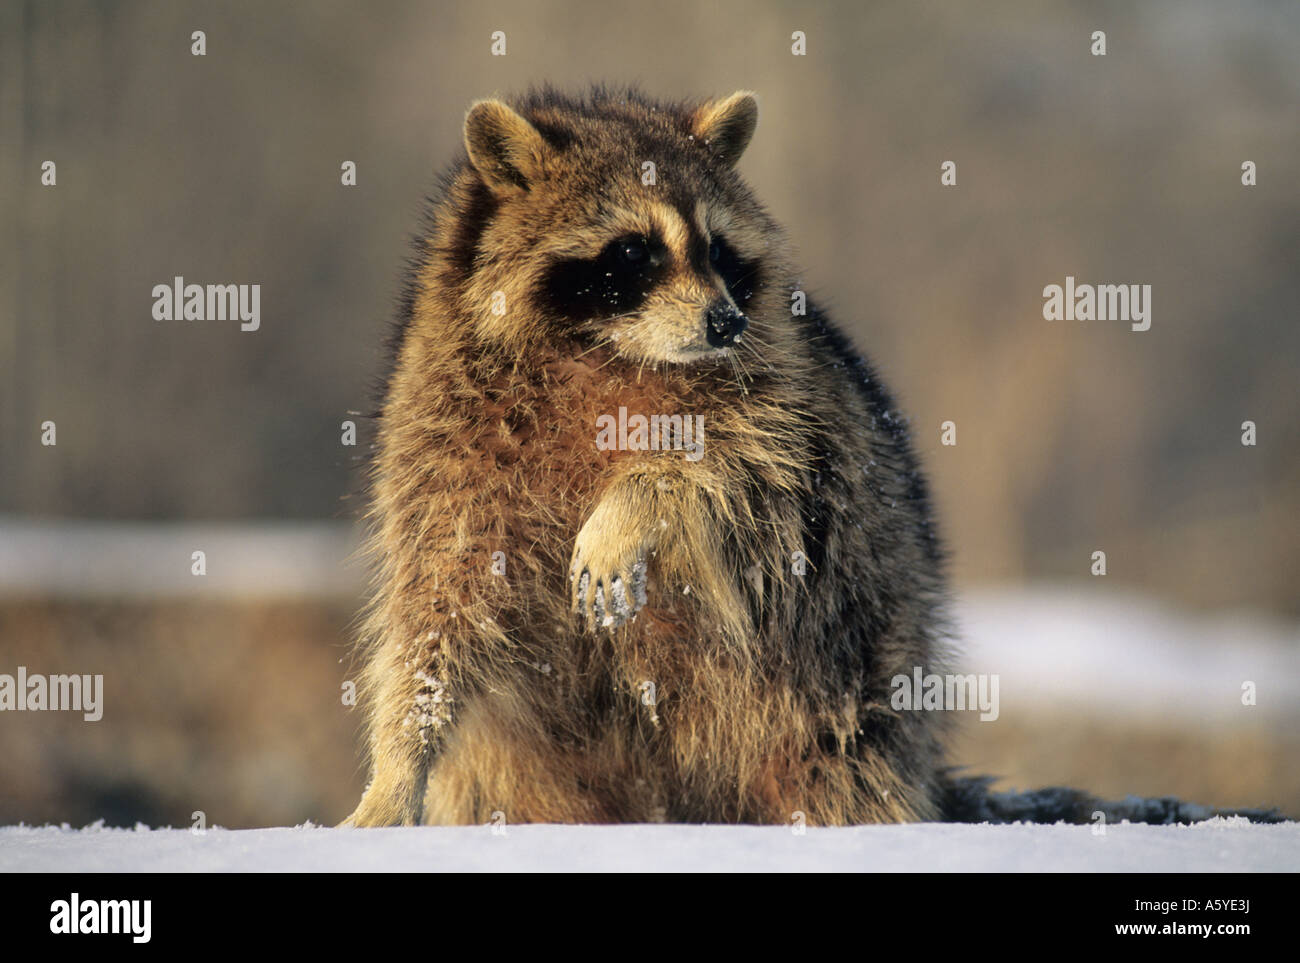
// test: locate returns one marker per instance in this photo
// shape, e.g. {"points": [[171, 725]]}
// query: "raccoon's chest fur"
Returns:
{"points": [[532, 442]]}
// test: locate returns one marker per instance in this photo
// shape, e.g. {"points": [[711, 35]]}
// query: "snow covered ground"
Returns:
{"points": [[1217, 845]]}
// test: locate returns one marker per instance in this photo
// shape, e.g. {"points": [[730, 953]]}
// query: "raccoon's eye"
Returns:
{"points": [[633, 252], [740, 276], [614, 282]]}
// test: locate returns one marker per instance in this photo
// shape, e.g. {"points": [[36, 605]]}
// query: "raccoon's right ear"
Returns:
{"points": [[506, 150]]}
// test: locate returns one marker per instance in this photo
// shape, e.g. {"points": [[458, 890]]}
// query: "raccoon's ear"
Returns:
{"points": [[727, 125], [503, 147]]}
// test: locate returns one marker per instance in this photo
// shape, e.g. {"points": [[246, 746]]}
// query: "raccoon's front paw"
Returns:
{"points": [[609, 599], [607, 580]]}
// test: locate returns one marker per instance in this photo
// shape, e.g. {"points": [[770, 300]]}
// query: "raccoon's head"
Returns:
{"points": [[617, 221]]}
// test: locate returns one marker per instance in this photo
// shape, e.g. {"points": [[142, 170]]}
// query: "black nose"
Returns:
{"points": [[723, 324]]}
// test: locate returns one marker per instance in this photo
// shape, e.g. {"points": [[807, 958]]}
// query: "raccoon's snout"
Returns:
{"points": [[723, 324]]}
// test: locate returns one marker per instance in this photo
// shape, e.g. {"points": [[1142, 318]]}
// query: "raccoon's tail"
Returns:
{"points": [[967, 799]]}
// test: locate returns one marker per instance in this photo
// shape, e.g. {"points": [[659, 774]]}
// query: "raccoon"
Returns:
{"points": [[563, 631], [577, 623]]}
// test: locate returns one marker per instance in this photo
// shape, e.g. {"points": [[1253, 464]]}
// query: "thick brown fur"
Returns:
{"points": [[790, 572]]}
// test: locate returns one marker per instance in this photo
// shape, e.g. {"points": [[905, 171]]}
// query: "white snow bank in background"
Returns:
{"points": [[1102, 651], [1217, 845], [136, 561]]}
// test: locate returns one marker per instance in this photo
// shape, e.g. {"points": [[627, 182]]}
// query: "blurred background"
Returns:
{"points": [[222, 694]]}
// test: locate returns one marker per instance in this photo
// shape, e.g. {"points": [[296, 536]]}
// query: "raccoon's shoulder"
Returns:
{"points": [[836, 352]]}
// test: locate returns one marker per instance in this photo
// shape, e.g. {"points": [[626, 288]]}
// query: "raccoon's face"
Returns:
{"points": [[662, 263], [658, 290]]}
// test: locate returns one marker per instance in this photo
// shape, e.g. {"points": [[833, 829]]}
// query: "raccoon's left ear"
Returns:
{"points": [[727, 125], [504, 147]]}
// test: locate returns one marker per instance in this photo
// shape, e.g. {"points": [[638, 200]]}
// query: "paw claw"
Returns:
{"points": [[607, 572], [609, 601]]}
